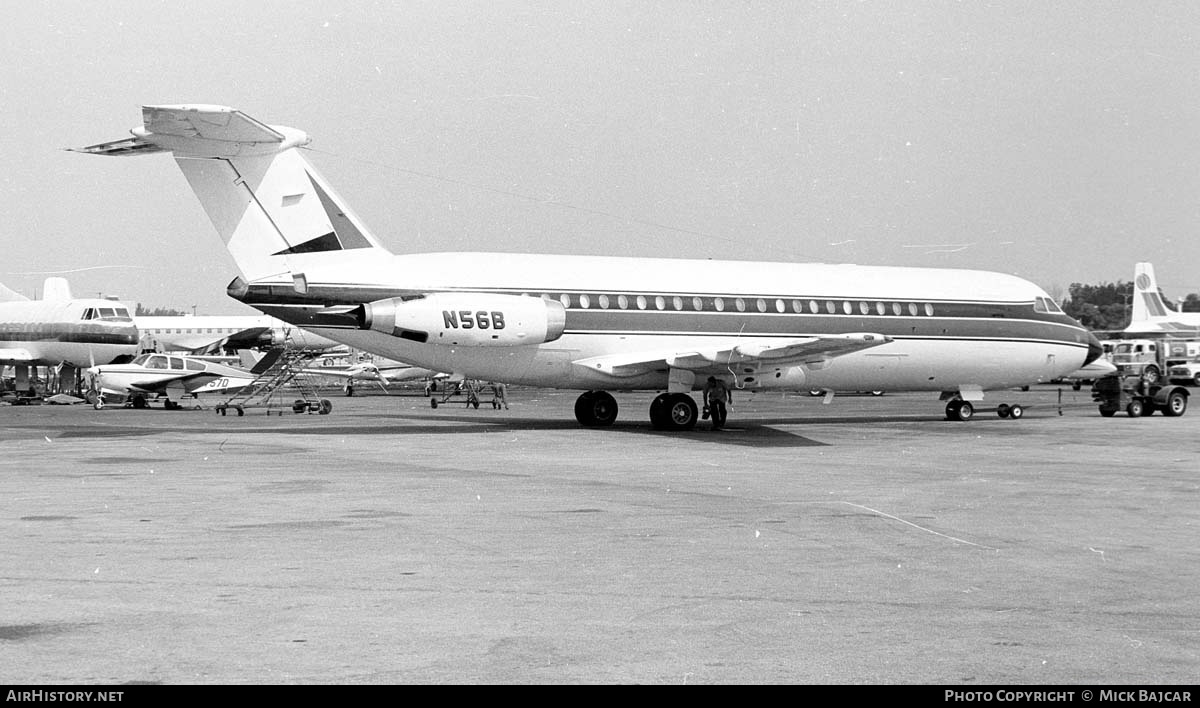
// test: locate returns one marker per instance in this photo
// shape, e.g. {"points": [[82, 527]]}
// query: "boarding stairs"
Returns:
{"points": [[280, 384]]}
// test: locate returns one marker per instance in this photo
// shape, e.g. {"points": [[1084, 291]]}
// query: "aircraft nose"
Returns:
{"points": [[1095, 350]]}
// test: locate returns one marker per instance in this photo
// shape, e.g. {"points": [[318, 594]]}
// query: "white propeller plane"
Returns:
{"points": [[172, 377], [600, 324], [60, 329]]}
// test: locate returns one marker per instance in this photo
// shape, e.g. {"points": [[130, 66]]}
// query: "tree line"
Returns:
{"points": [[1109, 306]]}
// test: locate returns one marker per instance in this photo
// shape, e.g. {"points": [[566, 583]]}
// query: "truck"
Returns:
{"points": [[1138, 396], [1153, 358], [1187, 370]]}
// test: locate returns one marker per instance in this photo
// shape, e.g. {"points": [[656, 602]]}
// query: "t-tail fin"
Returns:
{"points": [[1148, 302], [265, 200]]}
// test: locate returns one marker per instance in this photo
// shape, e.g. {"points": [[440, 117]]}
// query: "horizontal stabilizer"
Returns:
{"points": [[200, 131], [128, 146]]}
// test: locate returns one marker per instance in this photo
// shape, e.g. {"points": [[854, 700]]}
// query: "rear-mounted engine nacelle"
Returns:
{"points": [[467, 319]]}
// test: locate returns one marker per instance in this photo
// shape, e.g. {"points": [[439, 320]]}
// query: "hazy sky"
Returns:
{"points": [[1059, 141]]}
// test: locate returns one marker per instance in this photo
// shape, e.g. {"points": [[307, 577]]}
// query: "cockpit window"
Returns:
{"points": [[157, 362], [1045, 304]]}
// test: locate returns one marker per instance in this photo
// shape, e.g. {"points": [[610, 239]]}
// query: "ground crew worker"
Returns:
{"points": [[716, 394]]}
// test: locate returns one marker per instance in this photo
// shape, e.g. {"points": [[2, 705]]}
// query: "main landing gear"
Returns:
{"points": [[668, 411], [673, 411], [959, 409], [595, 409]]}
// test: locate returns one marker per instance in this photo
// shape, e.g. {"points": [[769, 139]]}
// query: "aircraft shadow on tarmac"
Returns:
{"points": [[755, 433]]}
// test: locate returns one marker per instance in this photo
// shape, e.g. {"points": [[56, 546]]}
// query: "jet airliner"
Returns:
{"points": [[600, 324]]}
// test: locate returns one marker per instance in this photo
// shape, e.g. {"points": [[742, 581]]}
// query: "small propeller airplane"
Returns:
{"points": [[153, 376], [382, 374]]}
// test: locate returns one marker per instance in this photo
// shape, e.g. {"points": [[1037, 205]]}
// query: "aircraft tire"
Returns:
{"points": [[658, 412], [1003, 410], [960, 410], [681, 412], [1015, 412], [596, 409], [99, 404], [139, 402]]}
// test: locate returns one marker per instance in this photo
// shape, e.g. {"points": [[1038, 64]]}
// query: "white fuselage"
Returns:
{"points": [[77, 332], [949, 329]]}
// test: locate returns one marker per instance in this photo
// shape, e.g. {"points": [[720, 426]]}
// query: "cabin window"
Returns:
{"points": [[660, 302], [912, 309], [897, 309], [176, 362], [740, 304], [864, 308], [813, 307], [880, 308], [831, 307], [677, 302], [622, 302], [565, 300], [698, 304], [847, 307], [641, 302], [719, 304], [929, 309], [603, 302], [193, 365], [585, 301], [780, 306]]}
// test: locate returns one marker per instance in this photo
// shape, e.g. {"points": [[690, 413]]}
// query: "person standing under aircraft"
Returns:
{"points": [[499, 397], [716, 393]]}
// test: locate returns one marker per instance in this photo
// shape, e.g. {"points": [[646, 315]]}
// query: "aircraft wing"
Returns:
{"points": [[16, 354], [333, 371], [190, 379], [803, 350]]}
